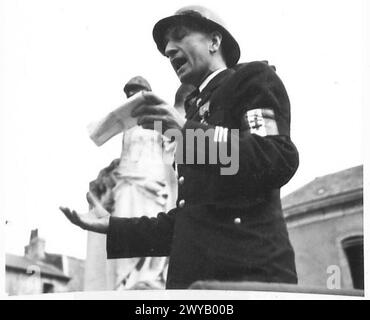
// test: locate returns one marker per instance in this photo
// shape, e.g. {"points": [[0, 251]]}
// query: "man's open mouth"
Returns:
{"points": [[177, 63]]}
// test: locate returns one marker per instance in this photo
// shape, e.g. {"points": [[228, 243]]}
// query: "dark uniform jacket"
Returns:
{"points": [[226, 226]]}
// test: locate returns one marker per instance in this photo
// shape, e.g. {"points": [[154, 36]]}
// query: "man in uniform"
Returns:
{"points": [[226, 227]]}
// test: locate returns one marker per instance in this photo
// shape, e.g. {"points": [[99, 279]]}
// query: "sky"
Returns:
{"points": [[63, 64]]}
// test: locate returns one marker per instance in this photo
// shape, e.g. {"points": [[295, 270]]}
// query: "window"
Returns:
{"points": [[354, 250], [47, 288]]}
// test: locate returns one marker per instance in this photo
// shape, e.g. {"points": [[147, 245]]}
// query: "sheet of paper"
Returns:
{"points": [[116, 121]]}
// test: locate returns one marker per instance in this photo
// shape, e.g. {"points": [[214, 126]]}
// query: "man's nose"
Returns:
{"points": [[170, 49]]}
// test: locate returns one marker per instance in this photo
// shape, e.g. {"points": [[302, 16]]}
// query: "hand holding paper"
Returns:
{"points": [[144, 108], [155, 109]]}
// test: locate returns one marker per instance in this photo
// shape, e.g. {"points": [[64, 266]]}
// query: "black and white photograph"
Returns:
{"points": [[183, 149]]}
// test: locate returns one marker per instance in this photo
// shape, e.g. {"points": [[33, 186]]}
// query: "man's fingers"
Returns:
{"points": [[153, 122], [152, 98], [87, 222], [71, 215], [75, 217], [66, 212], [78, 220], [150, 118], [149, 109]]}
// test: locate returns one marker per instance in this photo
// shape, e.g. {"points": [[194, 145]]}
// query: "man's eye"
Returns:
{"points": [[179, 35]]}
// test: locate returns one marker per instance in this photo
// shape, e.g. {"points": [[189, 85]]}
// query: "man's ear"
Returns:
{"points": [[215, 44]]}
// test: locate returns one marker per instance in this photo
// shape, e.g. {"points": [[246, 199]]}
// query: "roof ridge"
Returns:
{"points": [[326, 186], [45, 267], [327, 197], [339, 172]]}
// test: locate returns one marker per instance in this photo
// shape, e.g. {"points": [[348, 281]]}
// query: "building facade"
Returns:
{"points": [[40, 272], [325, 223]]}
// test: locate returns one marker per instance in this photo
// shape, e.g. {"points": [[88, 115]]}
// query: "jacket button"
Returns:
{"points": [[181, 203], [237, 220], [181, 180]]}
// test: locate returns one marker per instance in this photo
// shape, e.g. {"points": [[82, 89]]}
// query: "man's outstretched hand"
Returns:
{"points": [[96, 220]]}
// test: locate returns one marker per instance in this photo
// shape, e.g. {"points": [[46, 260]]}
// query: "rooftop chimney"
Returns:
{"points": [[35, 250]]}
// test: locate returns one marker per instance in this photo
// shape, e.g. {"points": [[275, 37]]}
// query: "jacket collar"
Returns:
{"points": [[216, 81], [209, 78]]}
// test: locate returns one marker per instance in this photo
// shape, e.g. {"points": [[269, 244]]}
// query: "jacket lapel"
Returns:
{"points": [[195, 100]]}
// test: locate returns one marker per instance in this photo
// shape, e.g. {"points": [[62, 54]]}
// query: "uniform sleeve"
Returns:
{"points": [[140, 237], [261, 148]]}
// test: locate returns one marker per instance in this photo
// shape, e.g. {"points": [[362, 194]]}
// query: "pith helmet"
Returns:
{"points": [[207, 18], [137, 83]]}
